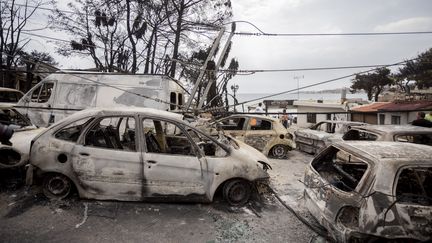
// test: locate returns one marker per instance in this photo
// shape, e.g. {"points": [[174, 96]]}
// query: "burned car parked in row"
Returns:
{"points": [[365, 191], [136, 154], [265, 134], [398, 133], [16, 132], [314, 139]]}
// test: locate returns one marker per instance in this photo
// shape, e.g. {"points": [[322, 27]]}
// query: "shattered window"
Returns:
{"points": [[415, 138], [415, 186], [360, 135], [232, 123], [7, 96], [12, 117], [341, 169], [42, 93], [113, 133], [73, 130], [260, 124], [166, 138], [208, 146]]}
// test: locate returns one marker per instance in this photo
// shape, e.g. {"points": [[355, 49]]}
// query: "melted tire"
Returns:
{"points": [[56, 186], [237, 192], [279, 151]]}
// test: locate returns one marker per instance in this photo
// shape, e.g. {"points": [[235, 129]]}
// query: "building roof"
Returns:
{"points": [[369, 107], [406, 106]]}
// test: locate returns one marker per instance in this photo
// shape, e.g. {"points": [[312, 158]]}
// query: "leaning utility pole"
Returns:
{"points": [[203, 70], [213, 77]]}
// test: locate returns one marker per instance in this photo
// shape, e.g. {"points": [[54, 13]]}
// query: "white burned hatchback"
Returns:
{"points": [[141, 153]]}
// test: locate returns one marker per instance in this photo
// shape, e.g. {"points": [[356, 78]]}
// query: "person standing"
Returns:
{"points": [[284, 119], [259, 108], [421, 121]]}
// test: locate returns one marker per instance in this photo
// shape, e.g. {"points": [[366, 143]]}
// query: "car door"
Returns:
{"points": [[172, 164], [414, 200], [259, 132], [107, 161]]}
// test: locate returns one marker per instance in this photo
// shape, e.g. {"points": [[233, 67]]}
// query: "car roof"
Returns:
{"points": [[393, 128], [123, 111], [388, 150], [342, 122], [252, 116]]}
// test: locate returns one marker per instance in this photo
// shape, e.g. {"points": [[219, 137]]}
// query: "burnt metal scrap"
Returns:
{"points": [[363, 191], [319, 136]]}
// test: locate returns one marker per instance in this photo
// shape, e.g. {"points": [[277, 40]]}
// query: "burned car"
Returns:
{"points": [[398, 133], [135, 154], [16, 132], [314, 139], [365, 191], [265, 134]]}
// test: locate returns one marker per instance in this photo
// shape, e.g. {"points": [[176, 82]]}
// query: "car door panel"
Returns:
{"points": [[109, 173]]}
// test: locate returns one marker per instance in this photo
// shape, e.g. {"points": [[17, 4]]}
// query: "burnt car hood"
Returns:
{"points": [[21, 139]]}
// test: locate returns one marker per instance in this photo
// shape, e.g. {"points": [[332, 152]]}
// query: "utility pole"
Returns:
{"points": [[298, 86], [203, 69], [211, 81]]}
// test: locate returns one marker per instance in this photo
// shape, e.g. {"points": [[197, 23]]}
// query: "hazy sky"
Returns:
{"points": [[313, 16], [325, 16]]}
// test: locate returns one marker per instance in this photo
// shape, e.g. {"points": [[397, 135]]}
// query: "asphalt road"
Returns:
{"points": [[27, 216]]}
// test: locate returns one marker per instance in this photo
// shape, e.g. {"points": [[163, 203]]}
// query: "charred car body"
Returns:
{"points": [[362, 190], [263, 133], [321, 135], [398, 133], [139, 154], [16, 132]]}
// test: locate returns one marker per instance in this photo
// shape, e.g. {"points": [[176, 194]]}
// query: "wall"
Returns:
{"points": [[301, 119]]}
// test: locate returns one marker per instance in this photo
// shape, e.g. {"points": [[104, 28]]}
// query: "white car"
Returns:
{"points": [[10, 96], [135, 154]]}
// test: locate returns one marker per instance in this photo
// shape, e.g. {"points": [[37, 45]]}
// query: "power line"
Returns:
{"points": [[319, 83], [251, 71], [261, 32]]}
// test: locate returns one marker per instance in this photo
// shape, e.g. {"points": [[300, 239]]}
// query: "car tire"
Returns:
{"points": [[279, 151], [237, 192], [56, 186]]}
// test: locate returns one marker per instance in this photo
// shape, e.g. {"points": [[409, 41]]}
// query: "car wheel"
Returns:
{"points": [[279, 151], [237, 192], [56, 186]]}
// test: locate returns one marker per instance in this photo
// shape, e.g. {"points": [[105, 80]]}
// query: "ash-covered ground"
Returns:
{"points": [[27, 216]]}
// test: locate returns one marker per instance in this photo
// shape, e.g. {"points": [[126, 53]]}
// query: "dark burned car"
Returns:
{"points": [[264, 133], [314, 139], [139, 154], [398, 133], [365, 191], [15, 135]]}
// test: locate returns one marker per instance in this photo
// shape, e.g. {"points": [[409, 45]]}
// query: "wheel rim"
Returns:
{"points": [[58, 186], [279, 151], [238, 192]]}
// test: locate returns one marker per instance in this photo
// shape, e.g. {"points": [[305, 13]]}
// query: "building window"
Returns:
{"points": [[381, 119], [311, 118], [395, 120]]}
